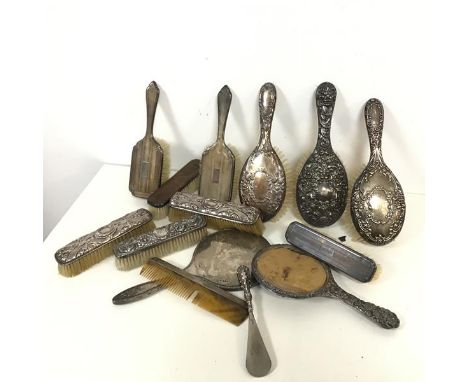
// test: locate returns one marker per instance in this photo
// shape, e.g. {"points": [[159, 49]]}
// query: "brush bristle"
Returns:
{"points": [[159, 212], [162, 212], [219, 223], [298, 168], [196, 293], [346, 220], [377, 273], [192, 186], [237, 172], [93, 257], [174, 245], [166, 166], [288, 198]]}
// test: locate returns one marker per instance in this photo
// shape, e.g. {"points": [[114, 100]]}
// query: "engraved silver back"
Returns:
{"points": [[102, 236], [160, 235], [322, 185], [377, 203], [229, 211], [263, 180]]}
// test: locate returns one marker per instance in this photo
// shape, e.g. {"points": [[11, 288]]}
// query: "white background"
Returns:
{"points": [[25, 79], [102, 55]]}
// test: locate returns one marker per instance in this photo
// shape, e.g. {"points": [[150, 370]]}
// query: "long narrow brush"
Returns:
{"points": [[218, 214], [90, 249], [199, 291], [186, 179], [162, 241]]}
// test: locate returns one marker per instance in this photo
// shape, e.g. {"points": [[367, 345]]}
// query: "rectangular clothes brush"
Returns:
{"points": [[337, 255], [199, 291], [186, 179], [218, 214], [90, 249], [162, 241]]}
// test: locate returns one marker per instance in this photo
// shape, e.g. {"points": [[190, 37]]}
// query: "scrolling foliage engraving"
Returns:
{"points": [[322, 185], [218, 209], [159, 235], [102, 236]]}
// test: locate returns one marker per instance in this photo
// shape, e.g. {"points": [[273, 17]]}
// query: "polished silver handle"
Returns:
{"points": [[152, 97], [244, 281], [374, 116], [325, 98], [224, 104], [266, 104], [381, 316]]}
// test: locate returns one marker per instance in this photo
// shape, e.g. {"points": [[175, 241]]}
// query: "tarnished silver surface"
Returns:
{"points": [[377, 202], [322, 186], [230, 211], [218, 162], [257, 360], [216, 258], [102, 236], [336, 254], [381, 316], [158, 236], [263, 180], [137, 293]]}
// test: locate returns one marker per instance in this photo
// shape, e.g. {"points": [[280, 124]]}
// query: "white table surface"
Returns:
{"points": [[84, 337]]}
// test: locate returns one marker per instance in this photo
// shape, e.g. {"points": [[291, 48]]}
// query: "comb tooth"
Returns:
{"points": [[228, 307]]}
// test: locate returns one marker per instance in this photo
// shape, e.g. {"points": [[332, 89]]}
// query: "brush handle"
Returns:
{"points": [[374, 116], [137, 293], [152, 97], [244, 281], [266, 105], [325, 98], [224, 104], [381, 316]]}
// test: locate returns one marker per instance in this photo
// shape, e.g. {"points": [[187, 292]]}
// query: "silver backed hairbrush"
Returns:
{"points": [[263, 178], [90, 249], [162, 241], [218, 214]]}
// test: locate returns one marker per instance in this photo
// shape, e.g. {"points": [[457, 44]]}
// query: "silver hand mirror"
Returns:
{"points": [[216, 258], [289, 272], [322, 185], [377, 201]]}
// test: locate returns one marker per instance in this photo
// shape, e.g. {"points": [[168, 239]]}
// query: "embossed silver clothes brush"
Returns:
{"points": [[263, 179], [257, 361], [215, 258], [218, 162], [218, 214], [337, 255], [162, 241], [322, 185], [90, 249], [377, 202]]}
